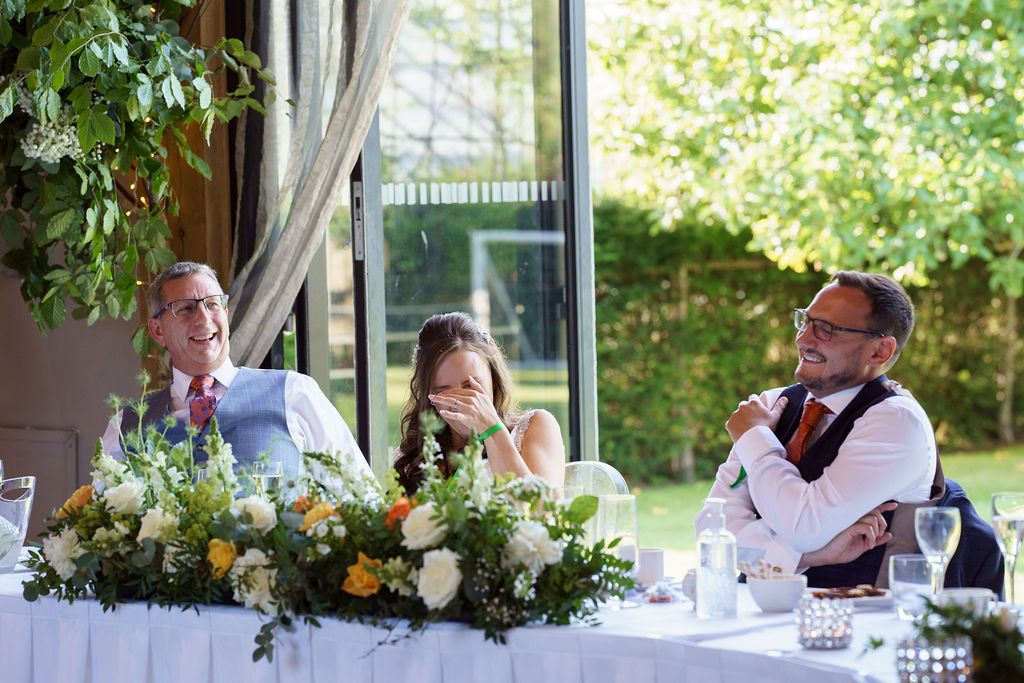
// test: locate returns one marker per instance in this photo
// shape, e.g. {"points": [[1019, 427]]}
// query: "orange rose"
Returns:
{"points": [[318, 512], [221, 555], [361, 582], [81, 496], [399, 511]]}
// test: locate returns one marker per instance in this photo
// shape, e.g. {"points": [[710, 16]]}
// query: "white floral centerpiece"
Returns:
{"points": [[494, 554]]}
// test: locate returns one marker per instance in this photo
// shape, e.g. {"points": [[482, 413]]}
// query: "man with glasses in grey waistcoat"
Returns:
{"points": [[278, 412]]}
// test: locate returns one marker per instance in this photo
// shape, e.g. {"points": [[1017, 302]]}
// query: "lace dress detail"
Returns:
{"points": [[519, 431]]}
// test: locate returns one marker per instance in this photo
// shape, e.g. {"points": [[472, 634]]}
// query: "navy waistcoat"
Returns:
{"points": [[820, 455]]}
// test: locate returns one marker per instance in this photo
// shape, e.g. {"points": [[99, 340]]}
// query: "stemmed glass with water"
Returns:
{"points": [[1008, 522], [938, 535], [616, 518], [267, 478]]}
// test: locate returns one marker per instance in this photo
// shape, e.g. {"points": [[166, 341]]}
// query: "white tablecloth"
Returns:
{"points": [[47, 641]]}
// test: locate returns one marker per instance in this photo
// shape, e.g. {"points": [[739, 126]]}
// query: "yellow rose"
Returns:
{"points": [[361, 582], [221, 555], [318, 512], [81, 496]]}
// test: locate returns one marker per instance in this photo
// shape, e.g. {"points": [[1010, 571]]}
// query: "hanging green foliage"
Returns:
{"points": [[92, 93]]}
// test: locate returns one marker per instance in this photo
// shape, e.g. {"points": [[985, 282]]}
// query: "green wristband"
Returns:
{"points": [[490, 431]]}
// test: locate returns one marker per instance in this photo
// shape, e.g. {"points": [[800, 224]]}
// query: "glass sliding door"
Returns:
{"points": [[473, 192], [462, 202]]}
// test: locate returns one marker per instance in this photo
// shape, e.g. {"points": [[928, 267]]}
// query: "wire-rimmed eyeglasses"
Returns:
{"points": [[823, 329], [186, 308]]}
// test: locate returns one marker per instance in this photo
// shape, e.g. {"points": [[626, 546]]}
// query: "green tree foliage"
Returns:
{"points": [[91, 94], [839, 134]]}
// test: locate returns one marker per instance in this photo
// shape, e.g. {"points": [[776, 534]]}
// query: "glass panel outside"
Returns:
{"points": [[473, 190]]}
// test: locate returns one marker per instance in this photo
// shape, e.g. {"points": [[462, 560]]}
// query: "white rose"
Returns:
{"points": [[439, 580], [423, 528], [158, 525], [126, 497], [252, 582], [531, 545], [61, 551], [264, 517]]}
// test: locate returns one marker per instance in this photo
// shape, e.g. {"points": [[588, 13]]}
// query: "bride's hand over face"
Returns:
{"points": [[466, 408]]}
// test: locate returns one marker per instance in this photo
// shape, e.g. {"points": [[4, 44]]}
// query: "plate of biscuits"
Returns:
{"points": [[863, 595]]}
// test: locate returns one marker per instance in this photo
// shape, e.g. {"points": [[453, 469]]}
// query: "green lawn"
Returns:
{"points": [[666, 512]]}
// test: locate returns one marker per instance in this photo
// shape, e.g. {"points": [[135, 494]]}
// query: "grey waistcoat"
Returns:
{"points": [[250, 416]]}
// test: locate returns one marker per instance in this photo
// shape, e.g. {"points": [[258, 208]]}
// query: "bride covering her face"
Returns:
{"points": [[459, 371]]}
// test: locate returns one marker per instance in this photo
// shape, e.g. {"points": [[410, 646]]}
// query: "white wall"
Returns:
{"points": [[61, 381]]}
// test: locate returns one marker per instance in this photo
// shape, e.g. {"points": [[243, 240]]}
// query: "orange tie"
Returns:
{"points": [[813, 412]]}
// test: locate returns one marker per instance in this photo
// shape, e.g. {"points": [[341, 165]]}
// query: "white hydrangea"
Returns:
{"points": [[61, 551], [531, 546], [252, 582]]}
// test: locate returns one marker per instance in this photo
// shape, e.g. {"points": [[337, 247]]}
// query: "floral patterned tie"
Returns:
{"points": [[813, 412], [203, 403]]}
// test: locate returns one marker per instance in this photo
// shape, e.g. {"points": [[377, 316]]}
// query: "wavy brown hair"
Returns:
{"points": [[441, 335]]}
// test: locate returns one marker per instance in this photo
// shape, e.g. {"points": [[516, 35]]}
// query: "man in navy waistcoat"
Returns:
{"points": [[277, 412], [815, 493]]}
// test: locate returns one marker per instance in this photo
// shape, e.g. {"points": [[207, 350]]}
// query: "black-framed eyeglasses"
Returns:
{"points": [[186, 308], [822, 329]]}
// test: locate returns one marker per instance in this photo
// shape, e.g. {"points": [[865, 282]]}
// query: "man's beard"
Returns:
{"points": [[828, 383]]}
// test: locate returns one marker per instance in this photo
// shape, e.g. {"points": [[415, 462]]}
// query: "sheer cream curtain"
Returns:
{"points": [[331, 59]]}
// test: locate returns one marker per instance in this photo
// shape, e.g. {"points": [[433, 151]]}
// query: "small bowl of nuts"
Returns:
{"points": [[772, 590]]}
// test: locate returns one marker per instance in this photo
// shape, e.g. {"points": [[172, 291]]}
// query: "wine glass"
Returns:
{"points": [[616, 519], [1008, 522], [938, 534], [267, 478]]}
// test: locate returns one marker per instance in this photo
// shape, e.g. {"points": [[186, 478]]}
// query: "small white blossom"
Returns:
{"points": [[339, 531], [53, 140], [323, 548]]}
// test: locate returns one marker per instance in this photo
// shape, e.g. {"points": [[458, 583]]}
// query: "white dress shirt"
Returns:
{"points": [[889, 454], [313, 422]]}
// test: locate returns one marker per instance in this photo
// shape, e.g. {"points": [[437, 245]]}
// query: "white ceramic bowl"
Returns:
{"points": [[779, 593]]}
